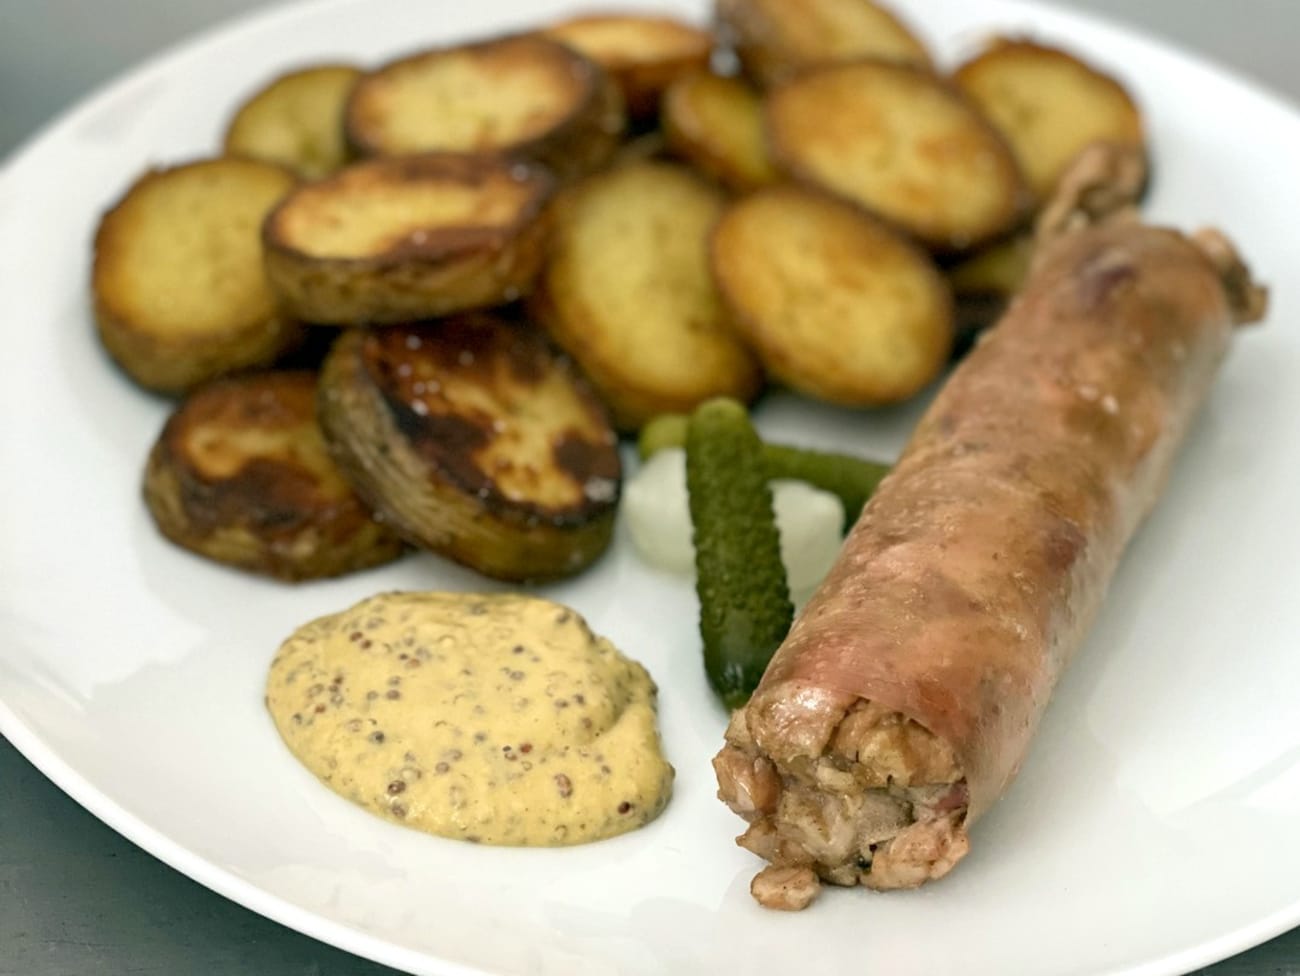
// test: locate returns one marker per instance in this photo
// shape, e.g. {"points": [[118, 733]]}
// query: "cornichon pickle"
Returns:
{"points": [[745, 608], [850, 478], [853, 479], [664, 430]]}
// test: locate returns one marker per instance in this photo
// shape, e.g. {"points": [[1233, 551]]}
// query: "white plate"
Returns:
{"points": [[1152, 830]]}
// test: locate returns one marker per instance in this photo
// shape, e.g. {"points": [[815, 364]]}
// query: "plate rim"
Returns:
{"points": [[247, 894]]}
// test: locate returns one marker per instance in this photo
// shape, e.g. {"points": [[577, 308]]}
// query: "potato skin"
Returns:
{"points": [[145, 248], [477, 440], [401, 267], [240, 475]]}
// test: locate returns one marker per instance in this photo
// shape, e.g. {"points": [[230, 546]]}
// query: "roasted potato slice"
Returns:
{"points": [[526, 97], [296, 120], [716, 125], [402, 238], [179, 291], [996, 269], [984, 282], [476, 439], [901, 143], [240, 474], [627, 291], [648, 145], [838, 305], [642, 53], [777, 39], [1049, 105]]}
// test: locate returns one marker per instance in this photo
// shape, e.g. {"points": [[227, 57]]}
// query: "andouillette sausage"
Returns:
{"points": [[903, 701]]}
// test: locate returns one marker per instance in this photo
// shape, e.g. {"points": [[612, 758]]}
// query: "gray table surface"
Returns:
{"points": [[76, 898]]}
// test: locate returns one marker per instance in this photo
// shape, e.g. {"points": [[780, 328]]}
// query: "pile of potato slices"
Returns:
{"points": [[414, 304]]}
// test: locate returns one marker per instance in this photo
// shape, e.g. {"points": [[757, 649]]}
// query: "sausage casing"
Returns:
{"points": [[903, 701]]}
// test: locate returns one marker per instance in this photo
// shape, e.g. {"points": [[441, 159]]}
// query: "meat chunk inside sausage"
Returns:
{"points": [[884, 806]]}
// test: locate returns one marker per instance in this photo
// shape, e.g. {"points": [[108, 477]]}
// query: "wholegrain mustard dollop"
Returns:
{"points": [[500, 719]]}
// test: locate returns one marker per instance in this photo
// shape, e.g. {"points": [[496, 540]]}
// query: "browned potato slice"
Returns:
{"points": [[716, 124], [180, 294], [902, 144], [984, 282], [646, 146], [296, 120], [627, 291], [526, 97], [838, 305], [240, 474], [477, 440], [776, 39], [642, 53], [1049, 105], [395, 239], [997, 269]]}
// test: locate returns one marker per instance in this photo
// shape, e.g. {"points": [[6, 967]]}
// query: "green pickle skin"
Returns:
{"points": [[853, 480], [665, 430], [745, 608]]}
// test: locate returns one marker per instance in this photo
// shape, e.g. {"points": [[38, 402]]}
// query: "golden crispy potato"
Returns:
{"points": [[475, 439], [296, 121], [902, 144], [716, 125], [409, 237], [526, 97], [240, 474], [642, 53], [777, 39], [180, 294], [627, 292], [1049, 105], [838, 305]]}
